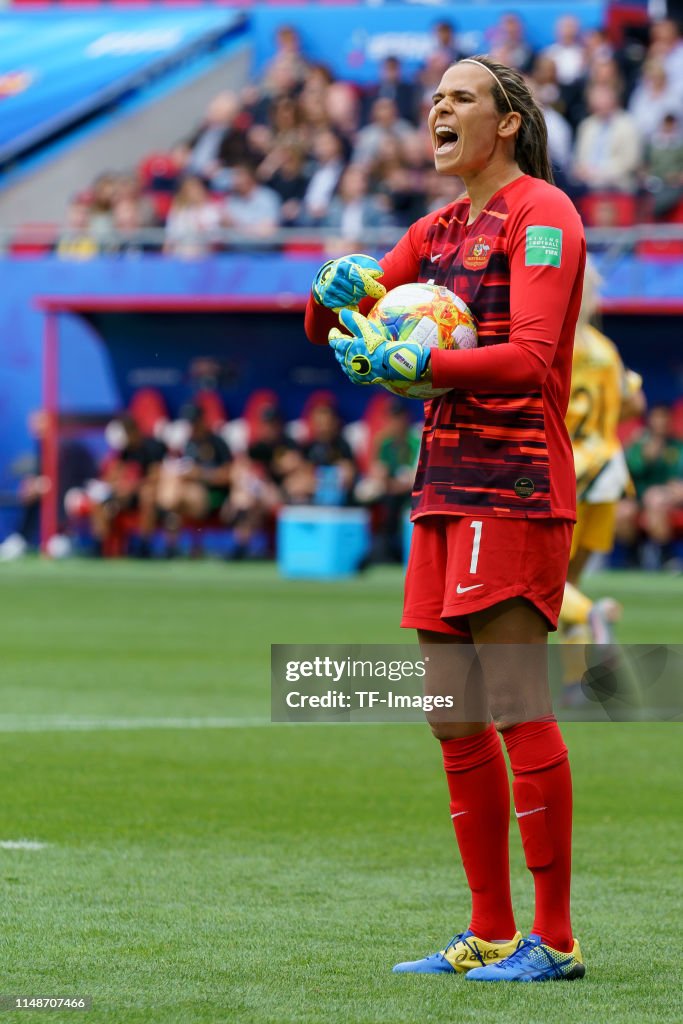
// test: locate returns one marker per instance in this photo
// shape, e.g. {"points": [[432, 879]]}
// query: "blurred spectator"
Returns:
{"points": [[601, 71], [654, 458], [329, 164], [127, 224], [655, 462], [197, 484], [317, 81], [426, 80], [327, 450], [272, 449], [258, 99], [328, 474], [288, 62], [607, 153], [630, 53], [653, 98], [597, 46], [75, 467], [259, 482], [391, 86], [313, 104], [279, 144], [131, 479], [508, 44], [559, 139], [193, 220], [102, 204], [128, 188], [384, 123], [446, 49], [664, 166], [353, 210], [341, 109], [286, 123], [559, 131], [398, 174], [219, 143], [126, 216], [544, 81], [261, 142], [567, 52], [75, 240], [441, 189], [666, 45], [389, 480], [284, 172], [251, 209], [606, 71]]}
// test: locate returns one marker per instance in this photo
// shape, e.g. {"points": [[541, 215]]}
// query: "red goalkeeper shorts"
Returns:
{"points": [[462, 564]]}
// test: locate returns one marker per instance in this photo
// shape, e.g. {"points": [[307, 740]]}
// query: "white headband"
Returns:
{"points": [[494, 76]]}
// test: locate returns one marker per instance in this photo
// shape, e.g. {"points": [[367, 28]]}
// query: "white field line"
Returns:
{"points": [[22, 844], [95, 723]]}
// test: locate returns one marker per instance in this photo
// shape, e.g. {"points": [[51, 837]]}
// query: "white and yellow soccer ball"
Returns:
{"points": [[430, 315]]}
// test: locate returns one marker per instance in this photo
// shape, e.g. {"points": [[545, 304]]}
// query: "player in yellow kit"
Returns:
{"points": [[603, 393]]}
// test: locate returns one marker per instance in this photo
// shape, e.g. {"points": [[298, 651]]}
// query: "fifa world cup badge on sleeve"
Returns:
{"points": [[543, 246]]}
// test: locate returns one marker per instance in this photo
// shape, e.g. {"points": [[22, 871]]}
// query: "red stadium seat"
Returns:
{"points": [[670, 249], [316, 398], [375, 418], [677, 522], [677, 419], [211, 404], [148, 409], [305, 248], [157, 168], [675, 216], [162, 202], [34, 238], [629, 430], [608, 209], [257, 401]]}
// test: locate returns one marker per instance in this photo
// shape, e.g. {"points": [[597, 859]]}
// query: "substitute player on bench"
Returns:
{"points": [[494, 497]]}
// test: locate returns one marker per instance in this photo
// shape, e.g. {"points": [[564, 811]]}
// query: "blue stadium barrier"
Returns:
{"points": [[353, 40]]}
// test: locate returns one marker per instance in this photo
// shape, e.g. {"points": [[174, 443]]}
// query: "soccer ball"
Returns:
{"points": [[430, 315]]}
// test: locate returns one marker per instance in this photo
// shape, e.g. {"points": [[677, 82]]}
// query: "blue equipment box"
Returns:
{"points": [[321, 543]]}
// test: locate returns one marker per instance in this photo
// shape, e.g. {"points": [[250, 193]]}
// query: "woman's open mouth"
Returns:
{"points": [[446, 139]]}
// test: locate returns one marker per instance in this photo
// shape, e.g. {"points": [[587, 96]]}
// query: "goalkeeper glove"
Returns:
{"points": [[369, 355], [346, 281]]}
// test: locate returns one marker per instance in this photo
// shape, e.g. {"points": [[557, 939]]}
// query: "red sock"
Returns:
{"points": [[542, 790], [480, 809]]}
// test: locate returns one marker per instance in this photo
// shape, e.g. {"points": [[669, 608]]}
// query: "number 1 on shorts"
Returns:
{"points": [[476, 525]]}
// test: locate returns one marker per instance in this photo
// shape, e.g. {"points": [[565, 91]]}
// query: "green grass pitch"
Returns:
{"points": [[273, 874]]}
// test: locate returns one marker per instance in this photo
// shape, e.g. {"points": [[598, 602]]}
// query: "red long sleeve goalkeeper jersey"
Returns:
{"points": [[497, 443]]}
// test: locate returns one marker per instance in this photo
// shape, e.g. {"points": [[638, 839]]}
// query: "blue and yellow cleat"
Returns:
{"points": [[533, 961], [464, 952]]}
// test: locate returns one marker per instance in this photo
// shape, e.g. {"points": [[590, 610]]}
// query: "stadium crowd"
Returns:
{"points": [[303, 149]]}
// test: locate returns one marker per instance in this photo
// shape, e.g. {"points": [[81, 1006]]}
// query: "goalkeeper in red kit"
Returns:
{"points": [[494, 499]]}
